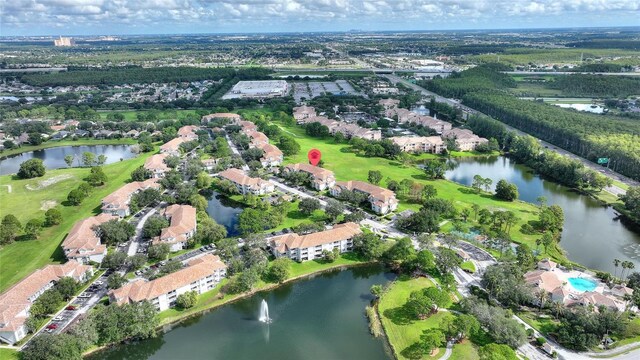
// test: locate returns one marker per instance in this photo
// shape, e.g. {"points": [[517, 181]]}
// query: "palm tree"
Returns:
{"points": [[616, 263], [629, 266], [543, 296], [558, 308]]}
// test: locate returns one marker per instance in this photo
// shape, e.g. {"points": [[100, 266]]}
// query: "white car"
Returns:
{"points": [[58, 318], [99, 282]]}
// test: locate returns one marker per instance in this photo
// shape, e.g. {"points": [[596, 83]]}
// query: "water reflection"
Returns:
{"points": [[224, 211], [592, 235]]}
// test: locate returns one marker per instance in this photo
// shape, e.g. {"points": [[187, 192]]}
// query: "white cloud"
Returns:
{"points": [[21, 16]]}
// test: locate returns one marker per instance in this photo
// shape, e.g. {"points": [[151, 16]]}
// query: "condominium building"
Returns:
{"points": [[310, 246], [117, 203], [64, 41], [229, 116], [83, 241], [465, 139], [16, 302], [156, 165], [188, 133], [182, 226], [172, 147], [272, 156], [303, 112], [382, 200], [420, 144], [246, 184], [321, 179], [200, 275], [348, 130]]}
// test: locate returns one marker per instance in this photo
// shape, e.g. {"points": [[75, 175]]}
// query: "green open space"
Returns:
{"points": [[131, 115], [402, 331], [50, 144], [22, 257], [9, 354]]}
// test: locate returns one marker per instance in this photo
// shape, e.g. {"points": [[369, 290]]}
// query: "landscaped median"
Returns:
{"points": [[30, 198]]}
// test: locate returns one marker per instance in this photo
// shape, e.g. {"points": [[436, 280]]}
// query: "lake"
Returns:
{"points": [[224, 212], [317, 318], [592, 235], [53, 158]]}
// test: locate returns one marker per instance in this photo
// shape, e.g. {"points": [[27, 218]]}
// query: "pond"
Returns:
{"points": [[53, 158], [318, 318], [224, 211], [592, 234]]}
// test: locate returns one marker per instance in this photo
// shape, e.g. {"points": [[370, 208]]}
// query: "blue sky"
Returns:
{"points": [[117, 17]]}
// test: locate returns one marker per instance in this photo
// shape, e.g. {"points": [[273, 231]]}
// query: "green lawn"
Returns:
{"points": [[23, 257], [50, 144], [215, 298], [9, 354], [131, 115], [544, 325], [400, 329], [468, 266]]}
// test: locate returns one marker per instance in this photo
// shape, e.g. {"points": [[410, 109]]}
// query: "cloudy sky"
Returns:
{"points": [[89, 17]]}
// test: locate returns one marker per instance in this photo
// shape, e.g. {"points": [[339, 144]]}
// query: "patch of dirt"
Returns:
{"points": [[48, 204], [48, 182]]}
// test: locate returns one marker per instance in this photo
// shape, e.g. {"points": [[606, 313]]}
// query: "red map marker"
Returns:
{"points": [[314, 156]]}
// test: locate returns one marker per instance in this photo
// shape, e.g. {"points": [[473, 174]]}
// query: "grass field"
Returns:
{"points": [[131, 115], [23, 257], [9, 354], [50, 144]]}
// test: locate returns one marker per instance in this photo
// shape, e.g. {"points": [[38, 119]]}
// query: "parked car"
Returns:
{"points": [[70, 308], [58, 318], [52, 326], [99, 282]]}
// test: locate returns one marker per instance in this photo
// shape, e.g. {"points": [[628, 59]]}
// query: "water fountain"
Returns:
{"points": [[264, 312]]}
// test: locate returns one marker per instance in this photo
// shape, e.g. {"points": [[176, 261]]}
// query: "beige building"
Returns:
{"points": [[382, 200], [200, 275], [117, 203], [64, 41], [246, 184], [310, 246], [182, 226], [272, 155], [303, 112], [156, 165], [16, 302], [188, 133], [348, 130], [172, 147], [229, 116], [465, 139], [321, 179], [83, 241], [420, 144]]}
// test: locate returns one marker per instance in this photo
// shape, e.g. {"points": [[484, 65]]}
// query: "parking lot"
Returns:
{"points": [[311, 89]]}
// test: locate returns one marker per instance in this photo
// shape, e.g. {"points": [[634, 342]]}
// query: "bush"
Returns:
{"points": [[187, 300], [31, 168], [52, 217], [279, 270]]}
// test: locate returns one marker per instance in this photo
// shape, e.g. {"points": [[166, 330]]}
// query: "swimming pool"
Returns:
{"points": [[582, 284]]}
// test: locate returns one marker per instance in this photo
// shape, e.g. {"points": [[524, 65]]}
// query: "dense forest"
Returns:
{"points": [[120, 76], [587, 135], [478, 79], [596, 85], [600, 67]]}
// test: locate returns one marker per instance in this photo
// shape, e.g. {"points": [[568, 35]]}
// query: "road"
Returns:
{"points": [[614, 189]]}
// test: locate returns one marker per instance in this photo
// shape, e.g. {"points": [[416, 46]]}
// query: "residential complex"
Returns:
{"points": [[272, 155], [465, 139], [303, 112], [200, 275], [83, 241], [321, 179], [382, 200], [246, 184], [117, 203], [420, 144], [392, 111], [229, 116], [188, 133], [16, 302], [172, 147], [156, 165], [348, 130], [181, 229], [310, 246], [64, 41]]}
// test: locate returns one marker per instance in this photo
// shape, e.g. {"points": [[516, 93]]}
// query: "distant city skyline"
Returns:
{"points": [[122, 17]]}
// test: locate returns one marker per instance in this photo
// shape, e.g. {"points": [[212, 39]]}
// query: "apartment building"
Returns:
{"points": [[348, 130], [321, 179], [188, 133], [117, 203], [272, 155], [16, 302], [303, 112], [229, 116], [156, 165], [310, 246], [246, 184], [182, 226], [172, 147], [420, 144], [392, 111], [465, 139], [200, 275], [257, 138], [83, 244], [382, 200]]}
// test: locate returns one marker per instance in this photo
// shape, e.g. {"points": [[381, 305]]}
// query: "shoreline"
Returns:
{"points": [[53, 144], [168, 324]]}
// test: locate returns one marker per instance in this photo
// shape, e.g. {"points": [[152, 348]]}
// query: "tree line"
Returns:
{"points": [[596, 85]]}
